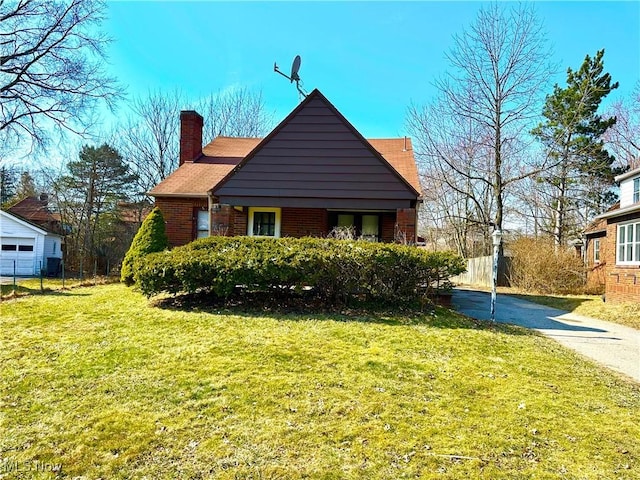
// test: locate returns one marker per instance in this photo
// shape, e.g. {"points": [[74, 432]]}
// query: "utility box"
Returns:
{"points": [[53, 266]]}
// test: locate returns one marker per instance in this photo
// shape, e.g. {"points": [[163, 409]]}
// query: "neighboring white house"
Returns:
{"points": [[25, 246]]}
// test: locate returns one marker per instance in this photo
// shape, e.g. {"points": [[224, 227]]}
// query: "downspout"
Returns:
{"points": [[210, 210]]}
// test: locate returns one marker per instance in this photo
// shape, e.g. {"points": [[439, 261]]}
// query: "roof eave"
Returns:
{"points": [[593, 232], [619, 212], [29, 224], [624, 176], [179, 195]]}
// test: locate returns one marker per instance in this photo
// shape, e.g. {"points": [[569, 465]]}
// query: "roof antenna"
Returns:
{"points": [[294, 74]]}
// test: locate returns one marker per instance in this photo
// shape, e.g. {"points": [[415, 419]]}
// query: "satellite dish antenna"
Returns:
{"points": [[294, 77], [295, 66]]}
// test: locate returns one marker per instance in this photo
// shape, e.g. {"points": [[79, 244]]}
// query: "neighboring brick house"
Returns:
{"points": [[313, 172], [37, 211], [595, 254], [613, 244]]}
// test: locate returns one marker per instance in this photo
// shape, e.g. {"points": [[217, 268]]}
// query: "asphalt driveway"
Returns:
{"points": [[610, 344]]}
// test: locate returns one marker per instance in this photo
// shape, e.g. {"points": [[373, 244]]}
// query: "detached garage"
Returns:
{"points": [[25, 246]]}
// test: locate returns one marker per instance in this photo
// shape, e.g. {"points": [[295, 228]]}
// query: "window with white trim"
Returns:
{"points": [[628, 248], [596, 250], [264, 222], [636, 190]]}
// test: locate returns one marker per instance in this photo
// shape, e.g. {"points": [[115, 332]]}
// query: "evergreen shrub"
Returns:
{"points": [[150, 238], [337, 271]]}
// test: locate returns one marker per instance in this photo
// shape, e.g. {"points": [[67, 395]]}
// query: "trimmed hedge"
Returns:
{"points": [[335, 270], [151, 237]]}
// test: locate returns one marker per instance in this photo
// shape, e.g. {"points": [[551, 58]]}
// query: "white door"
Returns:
{"points": [[202, 229], [19, 252]]}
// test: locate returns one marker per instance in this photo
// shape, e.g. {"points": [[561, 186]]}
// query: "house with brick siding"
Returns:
{"points": [[613, 244], [312, 173], [36, 210]]}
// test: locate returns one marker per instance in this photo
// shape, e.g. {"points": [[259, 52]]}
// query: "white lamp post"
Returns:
{"points": [[497, 238]]}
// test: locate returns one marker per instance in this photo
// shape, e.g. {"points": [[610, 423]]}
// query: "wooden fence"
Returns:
{"points": [[479, 272]]}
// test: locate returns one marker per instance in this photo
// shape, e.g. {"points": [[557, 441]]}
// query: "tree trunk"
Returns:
{"points": [[561, 204]]}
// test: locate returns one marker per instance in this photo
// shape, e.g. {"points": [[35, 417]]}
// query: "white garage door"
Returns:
{"points": [[18, 251]]}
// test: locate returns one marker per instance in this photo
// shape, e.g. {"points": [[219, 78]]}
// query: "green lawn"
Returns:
{"points": [[100, 382]]}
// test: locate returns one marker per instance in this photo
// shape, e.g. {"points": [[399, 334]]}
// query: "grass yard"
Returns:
{"points": [[103, 385], [591, 306]]}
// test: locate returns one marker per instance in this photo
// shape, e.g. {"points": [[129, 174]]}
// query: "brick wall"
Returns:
{"points": [[388, 230], [190, 135], [295, 222], [622, 282], [222, 220], [240, 219], [406, 219], [304, 222], [179, 216]]}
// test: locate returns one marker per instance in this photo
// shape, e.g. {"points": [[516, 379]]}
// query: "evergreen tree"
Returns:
{"points": [[26, 187], [91, 190], [7, 185], [151, 237], [582, 171]]}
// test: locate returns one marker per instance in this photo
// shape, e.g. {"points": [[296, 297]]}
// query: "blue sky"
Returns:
{"points": [[371, 59]]}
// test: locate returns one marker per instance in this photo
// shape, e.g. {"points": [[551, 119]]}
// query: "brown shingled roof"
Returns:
{"points": [[191, 179], [230, 147], [600, 224], [34, 210], [399, 153], [195, 179], [596, 226]]}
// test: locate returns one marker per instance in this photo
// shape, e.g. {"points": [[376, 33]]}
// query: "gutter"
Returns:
{"points": [[177, 195], [619, 212], [629, 174]]}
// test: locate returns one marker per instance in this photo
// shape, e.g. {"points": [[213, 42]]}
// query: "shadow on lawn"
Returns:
{"points": [[562, 303], [307, 307], [19, 292]]}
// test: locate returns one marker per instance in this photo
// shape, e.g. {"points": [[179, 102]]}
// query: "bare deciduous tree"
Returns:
{"points": [[149, 140], [454, 173], [52, 65], [475, 135], [623, 138], [499, 66], [236, 113]]}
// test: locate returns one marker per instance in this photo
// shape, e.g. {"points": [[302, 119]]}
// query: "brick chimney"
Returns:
{"points": [[190, 135]]}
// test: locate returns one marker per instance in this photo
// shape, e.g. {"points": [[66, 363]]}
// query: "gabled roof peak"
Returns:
{"points": [[314, 96]]}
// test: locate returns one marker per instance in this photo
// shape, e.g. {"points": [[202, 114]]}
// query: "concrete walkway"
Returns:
{"points": [[610, 344], [9, 280]]}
